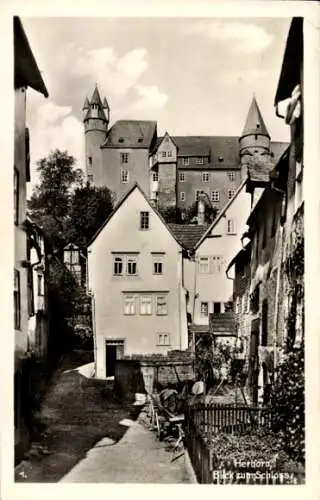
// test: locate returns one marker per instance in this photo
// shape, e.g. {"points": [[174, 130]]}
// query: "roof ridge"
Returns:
{"points": [[221, 214], [118, 205]]}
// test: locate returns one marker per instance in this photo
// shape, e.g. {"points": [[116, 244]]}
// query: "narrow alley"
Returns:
{"points": [[86, 434]]}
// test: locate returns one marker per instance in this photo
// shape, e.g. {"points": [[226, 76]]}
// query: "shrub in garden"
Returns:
{"points": [[287, 401]]}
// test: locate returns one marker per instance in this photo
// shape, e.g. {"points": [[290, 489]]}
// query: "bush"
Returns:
{"points": [[287, 401], [252, 450]]}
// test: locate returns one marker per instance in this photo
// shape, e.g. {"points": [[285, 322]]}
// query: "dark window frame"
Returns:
{"points": [[17, 300], [16, 193]]}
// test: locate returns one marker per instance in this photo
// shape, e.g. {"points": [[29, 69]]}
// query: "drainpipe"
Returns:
{"points": [[95, 351]]}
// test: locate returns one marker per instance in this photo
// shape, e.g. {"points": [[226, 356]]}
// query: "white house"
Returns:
{"points": [[205, 276], [135, 275]]}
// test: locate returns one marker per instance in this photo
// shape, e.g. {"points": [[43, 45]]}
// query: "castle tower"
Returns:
{"points": [[96, 120], [254, 142]]}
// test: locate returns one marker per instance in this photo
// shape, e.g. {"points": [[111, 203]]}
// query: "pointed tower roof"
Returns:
{"points": [[105, 104], [255, 123], [86, 104], [96, 99]]}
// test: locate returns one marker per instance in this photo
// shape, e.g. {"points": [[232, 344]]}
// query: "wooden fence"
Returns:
{"points": [[211, 418], [203, 420]]}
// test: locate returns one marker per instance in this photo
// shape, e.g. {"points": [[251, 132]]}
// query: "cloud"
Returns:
{"points": [[50, 112], [55, 127], [242, 38], [116, 74], [150, 97]]}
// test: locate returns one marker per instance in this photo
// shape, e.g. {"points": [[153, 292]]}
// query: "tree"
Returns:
{"points": [[50, 201], [89, 208], [65, 208], [210, 213]]}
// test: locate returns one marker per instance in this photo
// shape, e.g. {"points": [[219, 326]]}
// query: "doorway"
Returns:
{"points": [[114, 351]]}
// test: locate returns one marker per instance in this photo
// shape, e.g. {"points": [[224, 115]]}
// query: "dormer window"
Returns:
{"points": [[121, 139], [185, 161], [140, 139], [220, 158], [258, 125]]}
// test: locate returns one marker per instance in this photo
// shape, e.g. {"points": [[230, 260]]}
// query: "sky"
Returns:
{"points": [[195, 76]]}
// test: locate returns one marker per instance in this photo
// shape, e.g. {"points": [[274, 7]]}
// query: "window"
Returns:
{"points": [[230, 226], [163, 339], [163, 154], [155, 176], [16, 196], [157, 263], [200, 160], [197, 194], [216, 263], [204, 265], [144, 220], [217, 307], [205, 176], [185, 161], [169, 154], [182, 196], [215, 196], [157, 267], [161, 305], [231, 193], [129, 305], [17, 300], [132, 266], [40, 290], [117, 266], [204, 310], [124, 176], [90, 161], [181, 177], [146, 305], [71, 256], [124, 157], [231, 176]]}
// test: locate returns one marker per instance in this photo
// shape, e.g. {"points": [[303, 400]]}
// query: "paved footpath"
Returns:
{"points": [[137, 458]]}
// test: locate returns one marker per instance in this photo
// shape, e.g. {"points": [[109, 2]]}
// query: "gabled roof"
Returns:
{"points": [[187, 234], [120, 203], [221, 214], [26, 71], [243, 254], [255, 123], [161, 139], [131, 134], [290, 75]]}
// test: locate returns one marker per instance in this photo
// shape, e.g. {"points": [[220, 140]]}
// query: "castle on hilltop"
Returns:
{"points": [[171, 170]]}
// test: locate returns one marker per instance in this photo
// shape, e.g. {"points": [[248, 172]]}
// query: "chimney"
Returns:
{"points": [[200, 215]]}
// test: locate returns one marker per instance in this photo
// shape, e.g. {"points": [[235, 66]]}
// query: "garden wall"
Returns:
{"points": [[142, 374]]}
